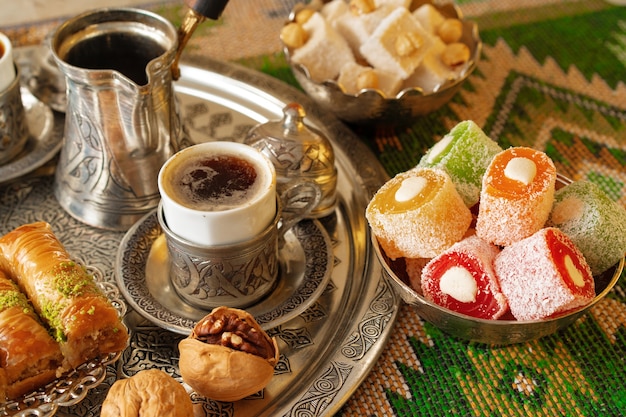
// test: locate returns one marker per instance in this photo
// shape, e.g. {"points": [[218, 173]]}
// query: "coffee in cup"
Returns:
{"points": [[218, 193]]}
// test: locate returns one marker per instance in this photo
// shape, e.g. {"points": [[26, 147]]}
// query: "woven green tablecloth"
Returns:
{"points": [[551, 77]]}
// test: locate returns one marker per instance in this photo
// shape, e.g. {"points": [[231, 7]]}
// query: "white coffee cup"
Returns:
{"points": [[218, 193], [7, 66]]}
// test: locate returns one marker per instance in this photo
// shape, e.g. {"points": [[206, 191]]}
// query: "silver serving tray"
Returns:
{"points": [[326, 351]]}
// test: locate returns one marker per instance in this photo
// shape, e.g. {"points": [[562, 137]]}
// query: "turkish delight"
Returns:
{"points": [[462, 279], [398, 45], [544, 275], [325, 50], [594, 222], [516, 195], [418, 214], [464, 153]]}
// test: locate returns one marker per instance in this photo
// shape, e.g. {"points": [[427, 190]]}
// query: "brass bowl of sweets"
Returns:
{"points": [[492, 245], [380, 64], [506, 329]]}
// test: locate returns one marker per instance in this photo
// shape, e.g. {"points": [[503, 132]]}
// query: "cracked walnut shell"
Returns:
{"points": [[227, 356], [150, 392]]}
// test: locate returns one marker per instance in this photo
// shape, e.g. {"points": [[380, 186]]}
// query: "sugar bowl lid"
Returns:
{"points": [[298, 152]]}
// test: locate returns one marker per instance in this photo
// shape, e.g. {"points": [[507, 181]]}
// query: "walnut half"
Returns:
{"points": [[227, 356], [149, 392]]}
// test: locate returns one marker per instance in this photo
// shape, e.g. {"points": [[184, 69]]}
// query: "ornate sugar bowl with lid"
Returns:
{"points": [[298, 152]]}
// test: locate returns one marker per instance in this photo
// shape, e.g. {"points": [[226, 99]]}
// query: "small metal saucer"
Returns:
{"points": [[41, 75], [44, 141], [49, 88], [142, 274]]}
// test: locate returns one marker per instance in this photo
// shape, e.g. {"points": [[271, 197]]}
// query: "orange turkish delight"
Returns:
{"points": [[516, 196]]}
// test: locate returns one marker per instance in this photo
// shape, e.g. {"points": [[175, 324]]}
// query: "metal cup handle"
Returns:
{"points": [[298, 200]]}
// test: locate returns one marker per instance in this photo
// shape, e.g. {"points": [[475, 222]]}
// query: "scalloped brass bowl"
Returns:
{"points": [[370, 106], [496, 332]]}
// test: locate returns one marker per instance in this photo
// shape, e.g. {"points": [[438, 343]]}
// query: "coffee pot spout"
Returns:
{"points": [[199, 10]]}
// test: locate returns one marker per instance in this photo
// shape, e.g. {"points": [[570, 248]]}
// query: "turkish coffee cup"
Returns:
{"points": [[224, 222]]}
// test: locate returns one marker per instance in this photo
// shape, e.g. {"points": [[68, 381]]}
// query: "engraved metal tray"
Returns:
{"points": [[326, 351]]}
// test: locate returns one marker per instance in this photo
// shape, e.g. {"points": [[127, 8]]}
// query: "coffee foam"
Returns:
{"points": [[215, 182]]}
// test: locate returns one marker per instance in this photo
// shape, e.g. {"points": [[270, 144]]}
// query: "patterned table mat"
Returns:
{"points": [[551, 77]]}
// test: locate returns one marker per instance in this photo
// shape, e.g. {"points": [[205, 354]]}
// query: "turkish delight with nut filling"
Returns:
{"points": [[464, 153], [432, 72], [398, 45], [356, 28], [325, 50], [544, 275], [354, 78], [516, 195], [594, 222], [462, 279], [418, 214]]}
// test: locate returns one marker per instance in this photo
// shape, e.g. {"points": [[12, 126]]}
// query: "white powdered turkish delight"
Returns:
{"points": [[333, 10], [432, 72], [354, 77], [429, 17], [325, 51], [357, 28], [398, 45]]}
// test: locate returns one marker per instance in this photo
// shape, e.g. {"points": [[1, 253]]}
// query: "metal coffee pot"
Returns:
{"points": [[121, 121]]}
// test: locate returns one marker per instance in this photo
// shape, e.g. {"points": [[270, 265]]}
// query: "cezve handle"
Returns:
{"points": [[199, 10]]}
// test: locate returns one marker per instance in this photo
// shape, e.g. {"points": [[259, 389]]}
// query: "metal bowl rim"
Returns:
{"points": [[448, 85]]}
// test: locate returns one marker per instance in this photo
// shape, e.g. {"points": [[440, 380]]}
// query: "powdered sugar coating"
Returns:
{"points": [[424, 226], [595, 223], [533, 283], [508, 215], [465, 158], [477, 257]]}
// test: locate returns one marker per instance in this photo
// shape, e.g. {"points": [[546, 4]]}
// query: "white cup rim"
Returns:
{"points": [[7, 45], [237, 148], [8, 72]]}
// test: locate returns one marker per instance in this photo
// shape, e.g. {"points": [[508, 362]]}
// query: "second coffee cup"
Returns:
{"points": [[218, 193]]}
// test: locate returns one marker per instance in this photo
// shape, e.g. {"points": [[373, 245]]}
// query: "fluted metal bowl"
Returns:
{"points": [[370, 106], [494, 332]]}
